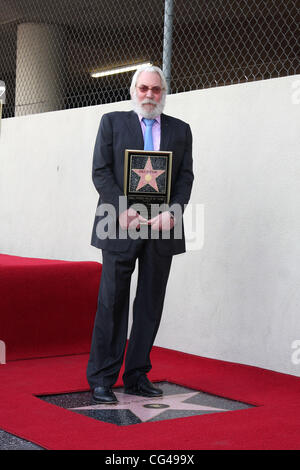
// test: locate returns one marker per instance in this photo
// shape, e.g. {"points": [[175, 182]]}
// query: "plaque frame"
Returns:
{"points": [[150, 196]]}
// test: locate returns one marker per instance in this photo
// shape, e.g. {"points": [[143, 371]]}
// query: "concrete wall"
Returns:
{"points": [[235, 294]]}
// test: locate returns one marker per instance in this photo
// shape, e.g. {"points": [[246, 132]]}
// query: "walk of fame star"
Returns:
{"points": [[146, 409], [148, 176]]}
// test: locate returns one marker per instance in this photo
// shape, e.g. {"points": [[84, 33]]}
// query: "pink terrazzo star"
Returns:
{"points": [[148, 176], [147, 408]]}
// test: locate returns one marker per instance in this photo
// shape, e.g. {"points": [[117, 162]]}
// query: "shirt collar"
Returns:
{"points": [[157, 118]]}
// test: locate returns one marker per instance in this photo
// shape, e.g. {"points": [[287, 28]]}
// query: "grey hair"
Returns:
{"points": [[148, 68]]}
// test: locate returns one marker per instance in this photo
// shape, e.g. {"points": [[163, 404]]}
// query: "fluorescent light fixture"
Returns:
{"points": [[125, 68]]}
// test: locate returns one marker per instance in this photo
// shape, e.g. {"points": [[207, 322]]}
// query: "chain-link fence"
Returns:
{"points": [[48, 50]]}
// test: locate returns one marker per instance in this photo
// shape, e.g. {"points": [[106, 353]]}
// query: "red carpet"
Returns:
{"points": [[274, 424], [47, 309]]}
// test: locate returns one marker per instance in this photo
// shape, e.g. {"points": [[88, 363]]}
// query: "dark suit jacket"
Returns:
{"points": [[122, 130]]}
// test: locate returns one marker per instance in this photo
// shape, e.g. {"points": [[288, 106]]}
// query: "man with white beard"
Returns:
{"points": [[119, 131]]}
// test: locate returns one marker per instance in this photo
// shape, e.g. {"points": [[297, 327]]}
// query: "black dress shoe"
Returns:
{"points": [[144, 388], [104, 395]]}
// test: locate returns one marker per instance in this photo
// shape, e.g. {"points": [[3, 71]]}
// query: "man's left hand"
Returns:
{"points": [[163, 221]]}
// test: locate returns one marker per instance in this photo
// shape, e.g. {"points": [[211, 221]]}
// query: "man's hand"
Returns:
{"points": [[163, 221], [131, 219]]}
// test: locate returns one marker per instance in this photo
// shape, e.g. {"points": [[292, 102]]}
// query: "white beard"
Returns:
{"points": [[156, 111]]}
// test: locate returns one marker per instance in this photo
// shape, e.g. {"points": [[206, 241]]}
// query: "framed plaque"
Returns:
{"points": [[147, 178]]}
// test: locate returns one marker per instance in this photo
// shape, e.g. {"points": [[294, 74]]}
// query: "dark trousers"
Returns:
{"points": [[111, 322]]}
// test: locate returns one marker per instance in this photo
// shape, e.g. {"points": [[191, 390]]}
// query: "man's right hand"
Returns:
{"points": [[131, 219]]}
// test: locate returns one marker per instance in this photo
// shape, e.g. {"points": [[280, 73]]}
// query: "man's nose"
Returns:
{"points": [[149, 93]]}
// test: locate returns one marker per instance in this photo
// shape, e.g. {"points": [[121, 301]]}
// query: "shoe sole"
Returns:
{"points": [[99, 402], [144, 394]]}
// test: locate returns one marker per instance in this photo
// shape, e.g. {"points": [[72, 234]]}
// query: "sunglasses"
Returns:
{"points": [[155, 89]]}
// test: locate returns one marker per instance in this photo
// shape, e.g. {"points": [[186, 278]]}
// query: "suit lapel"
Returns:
{"points": [[166, 133], [135, 132]]}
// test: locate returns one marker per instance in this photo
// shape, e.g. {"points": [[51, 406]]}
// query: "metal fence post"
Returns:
{"points": [[167, 47]]}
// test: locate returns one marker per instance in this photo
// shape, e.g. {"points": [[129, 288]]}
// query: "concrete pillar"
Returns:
{"points": [[38, 79]]}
